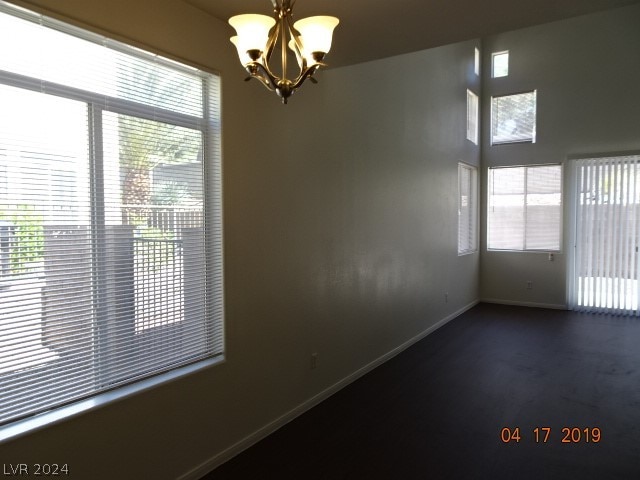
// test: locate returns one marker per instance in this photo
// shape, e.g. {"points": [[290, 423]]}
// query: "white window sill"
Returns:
{"points": [[29, 425]]}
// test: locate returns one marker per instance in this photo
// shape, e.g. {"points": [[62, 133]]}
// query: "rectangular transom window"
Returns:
{"points": [[513, 118], [467, 209], [525, 208], [110, 215]]}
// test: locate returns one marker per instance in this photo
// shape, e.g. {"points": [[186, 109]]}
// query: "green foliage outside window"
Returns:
{"points": [[27, 238]]}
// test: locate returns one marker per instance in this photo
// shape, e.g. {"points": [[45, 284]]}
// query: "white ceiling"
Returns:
{"points": [[373, 29]]}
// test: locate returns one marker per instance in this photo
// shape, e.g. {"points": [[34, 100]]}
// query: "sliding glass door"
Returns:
{"points": [[607, 232]]}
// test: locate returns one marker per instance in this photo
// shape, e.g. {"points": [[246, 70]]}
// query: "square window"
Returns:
{"points": [[525, 208], [513, 118], [500, 64]]}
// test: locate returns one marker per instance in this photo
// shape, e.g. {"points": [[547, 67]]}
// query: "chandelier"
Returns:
{"points": [[257, 36]]}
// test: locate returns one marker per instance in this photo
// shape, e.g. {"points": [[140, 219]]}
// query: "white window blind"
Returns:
{"points": [[525, 208], [110, 215], [513, 118], [467, 209], [472, 117], [607, 268]]}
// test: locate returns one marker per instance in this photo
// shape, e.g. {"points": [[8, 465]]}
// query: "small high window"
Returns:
{"points": [[476, 62], [472, 117], [500, 64]]}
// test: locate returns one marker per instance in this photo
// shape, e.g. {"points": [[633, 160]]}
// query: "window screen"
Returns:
{"points": [[525, 208], [110, 221]]}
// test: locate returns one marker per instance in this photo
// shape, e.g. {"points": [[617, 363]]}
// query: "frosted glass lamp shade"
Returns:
{"points": [[316, 33], [253, 31], [242, 52]]}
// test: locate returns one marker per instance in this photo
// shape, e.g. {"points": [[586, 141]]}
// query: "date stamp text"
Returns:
{"points": [[572, 435]]}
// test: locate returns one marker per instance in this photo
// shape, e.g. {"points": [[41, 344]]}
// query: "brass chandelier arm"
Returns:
{"points": [[262, 73], [297, 44], [283, 87]]}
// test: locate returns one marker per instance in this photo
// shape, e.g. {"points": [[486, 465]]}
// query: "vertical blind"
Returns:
{"points": [[525, 208], [110, 215], [467, 209], [606, 265]]}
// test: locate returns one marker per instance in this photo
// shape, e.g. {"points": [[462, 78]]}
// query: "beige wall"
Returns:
{"points": [[586, 72], [340, 238]]}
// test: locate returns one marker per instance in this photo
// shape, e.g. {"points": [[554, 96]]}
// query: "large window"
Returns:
{"points": [[467, 209], [110, 241], [525, 208]]}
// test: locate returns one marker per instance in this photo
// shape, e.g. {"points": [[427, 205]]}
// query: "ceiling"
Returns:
{"points": [[373, 29]]}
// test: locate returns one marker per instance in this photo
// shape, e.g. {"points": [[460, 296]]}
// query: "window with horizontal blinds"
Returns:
{"points": [[606, 260], [513, 118], [110, 215], [467, 209], [525, 208]]}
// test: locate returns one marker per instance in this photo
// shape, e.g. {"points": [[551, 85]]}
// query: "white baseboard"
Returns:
{"points": [[271, 427], [553, 306]]}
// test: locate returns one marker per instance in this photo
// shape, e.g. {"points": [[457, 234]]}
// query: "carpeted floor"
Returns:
{"points": [[438, 410]]}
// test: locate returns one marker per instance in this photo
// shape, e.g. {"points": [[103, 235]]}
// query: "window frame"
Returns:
{"points": [[209, 124], [560, 207]]}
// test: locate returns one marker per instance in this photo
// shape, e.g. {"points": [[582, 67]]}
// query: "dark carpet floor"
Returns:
{"points": [[437, 410]]}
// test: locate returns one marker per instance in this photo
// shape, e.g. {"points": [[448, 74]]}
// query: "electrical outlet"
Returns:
{"points": [[529, 285], [314, 361]]}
